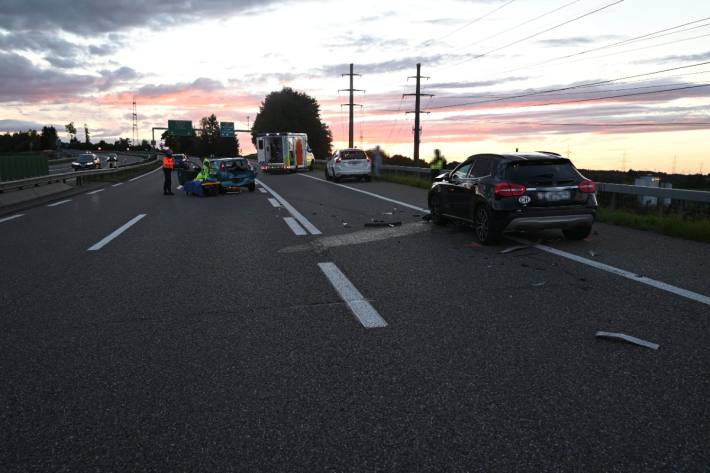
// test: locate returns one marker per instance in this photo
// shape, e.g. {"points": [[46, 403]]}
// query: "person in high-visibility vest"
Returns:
{"points": [[168, 166], [204, 172], [437, 164]]}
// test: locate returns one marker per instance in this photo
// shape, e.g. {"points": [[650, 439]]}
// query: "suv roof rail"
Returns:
{"points": [[550, 152]]}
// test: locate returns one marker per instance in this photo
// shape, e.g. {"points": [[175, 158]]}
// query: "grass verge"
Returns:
{"points": [[673, 225]]}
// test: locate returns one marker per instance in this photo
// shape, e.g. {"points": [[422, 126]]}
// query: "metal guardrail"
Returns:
{"points": [[660, 192], [677, 194], [78, 175]]}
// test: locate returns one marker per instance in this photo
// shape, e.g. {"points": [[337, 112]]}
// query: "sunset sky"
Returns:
{"points": [[644, 63]]}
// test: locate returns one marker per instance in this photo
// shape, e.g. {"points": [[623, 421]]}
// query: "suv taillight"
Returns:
{"points": [[587, 186], [509, 189]]}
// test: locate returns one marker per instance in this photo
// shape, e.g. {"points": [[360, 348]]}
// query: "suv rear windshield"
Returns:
{"points": [[542, 173], [85, 158], [357, 154]]}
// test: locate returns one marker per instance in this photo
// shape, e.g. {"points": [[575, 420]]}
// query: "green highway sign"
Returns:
{"points": [[226, 129], [180, 127]]}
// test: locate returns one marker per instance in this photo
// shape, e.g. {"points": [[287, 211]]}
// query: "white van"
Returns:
{"points": [[284, 152]]}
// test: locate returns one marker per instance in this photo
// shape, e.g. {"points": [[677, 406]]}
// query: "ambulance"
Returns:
{"points": [[284, 152]]}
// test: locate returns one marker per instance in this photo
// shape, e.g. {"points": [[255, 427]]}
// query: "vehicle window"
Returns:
{"points": [[353, 154], [85, 158], [481, 167], [462, 171], [545, 173], [261, 144]]}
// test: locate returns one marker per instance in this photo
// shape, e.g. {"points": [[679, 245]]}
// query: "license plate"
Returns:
{"points": [[554, 196]]}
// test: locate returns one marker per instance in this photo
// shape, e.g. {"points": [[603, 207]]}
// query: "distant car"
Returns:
{"points": [[233, 173], [349, 162], [181, 161], [515, 192], [112, 160], [86, 161]]}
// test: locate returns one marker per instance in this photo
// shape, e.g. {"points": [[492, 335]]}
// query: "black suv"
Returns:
{"points": [[516, 191]]}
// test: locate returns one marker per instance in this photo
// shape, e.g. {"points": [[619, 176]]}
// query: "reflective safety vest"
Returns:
{"points": [[168, 162], [437, 164]]}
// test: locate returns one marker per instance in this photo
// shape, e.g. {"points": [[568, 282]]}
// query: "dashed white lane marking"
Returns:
{"points": [[11, 217], [624, 274], [296, 214], [371, 194], [59, 203], [95, 192], [117, 184], [116, 232], [262, 190], [143, 175], [295, 227], [365, 313], [274, 202]]}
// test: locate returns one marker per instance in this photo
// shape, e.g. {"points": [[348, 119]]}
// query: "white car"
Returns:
{"points": [[349, 162]]}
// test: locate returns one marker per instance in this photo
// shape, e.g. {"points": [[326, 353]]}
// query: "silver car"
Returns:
{"points": [[349, 162]]}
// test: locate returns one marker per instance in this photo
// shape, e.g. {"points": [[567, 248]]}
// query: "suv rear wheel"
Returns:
{"points": [[577, 233], [487, 231]]}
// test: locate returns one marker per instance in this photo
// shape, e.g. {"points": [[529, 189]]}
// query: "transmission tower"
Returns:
{"points": [[351, 105], [135, 122], [417, 109]]}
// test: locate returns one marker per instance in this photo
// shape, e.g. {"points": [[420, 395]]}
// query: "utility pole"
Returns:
{"points": [[248, 123], [623, 162], [675, 159], [135, 122], [417, 109], [351, 105]]}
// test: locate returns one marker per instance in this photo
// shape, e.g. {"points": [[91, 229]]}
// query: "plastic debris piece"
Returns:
{"points": [[387, 213], [346, 224], [539, 284], [592, 253], [380, 223], [629, 339], [514, 248], [426, 217]]}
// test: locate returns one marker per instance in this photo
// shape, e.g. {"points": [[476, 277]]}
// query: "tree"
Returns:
{"points": [[48, 139], [296, 112], [210, 134], [71, 129]]}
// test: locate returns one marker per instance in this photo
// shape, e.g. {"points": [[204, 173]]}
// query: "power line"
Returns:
{"points": [[604, 125], [475, 20], [562, 89], [618, 96], [647, 36], [527, 22], [538, 33]]}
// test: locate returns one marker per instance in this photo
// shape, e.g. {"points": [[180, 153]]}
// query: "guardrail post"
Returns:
{"points": [[612, 204]]}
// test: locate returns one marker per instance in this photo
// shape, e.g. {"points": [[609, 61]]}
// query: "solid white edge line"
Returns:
{"points": [[12, 217], [371, 194], [59, 203], [624, 274], [274, 202], [143, 175], [295, 227], [362, 309], [116, 233], [117, 184], [296, 214], [95, 192]]}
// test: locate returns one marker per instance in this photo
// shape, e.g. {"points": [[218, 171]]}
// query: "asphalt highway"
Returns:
{"points": [[274, 331]]}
